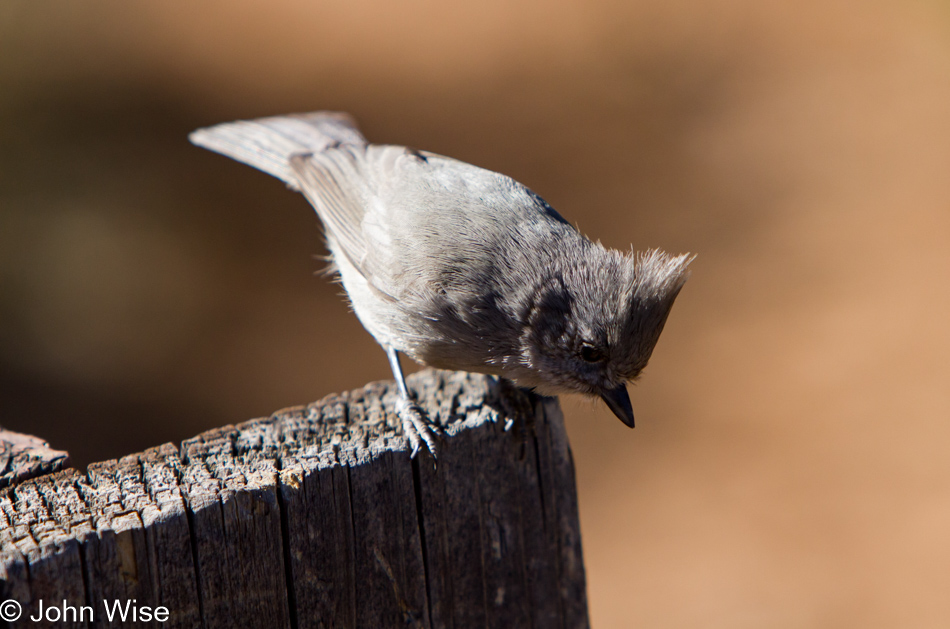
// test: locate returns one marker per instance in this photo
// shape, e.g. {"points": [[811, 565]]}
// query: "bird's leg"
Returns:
{"points": [[414, 423]]}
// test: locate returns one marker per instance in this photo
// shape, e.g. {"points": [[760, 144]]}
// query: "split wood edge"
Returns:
{"points": [[317, 517]]}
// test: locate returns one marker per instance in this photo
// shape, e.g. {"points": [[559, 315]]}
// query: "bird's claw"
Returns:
{"points": [[416, 428]]}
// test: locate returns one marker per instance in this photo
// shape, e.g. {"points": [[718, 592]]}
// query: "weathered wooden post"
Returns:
{"points": [[313, 517]]}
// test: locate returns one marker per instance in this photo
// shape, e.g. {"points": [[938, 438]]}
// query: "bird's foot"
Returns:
{"points": [[416, 427]]}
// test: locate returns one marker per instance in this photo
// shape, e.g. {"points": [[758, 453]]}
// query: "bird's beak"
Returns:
{"points": [[619, 402]]}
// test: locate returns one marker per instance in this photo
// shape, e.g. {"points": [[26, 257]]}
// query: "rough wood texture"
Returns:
{"points": [[316, 517], [24, 456]]}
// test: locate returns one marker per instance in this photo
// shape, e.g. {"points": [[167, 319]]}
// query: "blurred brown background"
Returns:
{"points": [[790, 466]]}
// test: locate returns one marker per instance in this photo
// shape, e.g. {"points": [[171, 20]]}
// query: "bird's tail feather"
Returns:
{"points": [[269, 143]]}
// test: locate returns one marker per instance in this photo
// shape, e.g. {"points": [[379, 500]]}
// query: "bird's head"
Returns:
{"points": [[594, 325]]}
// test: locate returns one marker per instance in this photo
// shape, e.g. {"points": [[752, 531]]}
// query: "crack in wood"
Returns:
{"points": [[316, 517]]}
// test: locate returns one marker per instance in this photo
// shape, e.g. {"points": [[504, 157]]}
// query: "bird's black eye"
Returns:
{"points": [[591, 353]]}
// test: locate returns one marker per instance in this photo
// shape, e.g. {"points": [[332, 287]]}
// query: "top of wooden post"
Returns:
{"points": [[24, 456], [316, 516]]}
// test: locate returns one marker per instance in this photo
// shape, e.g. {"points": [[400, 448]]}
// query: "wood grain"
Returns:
{"points": [[317, 517]]}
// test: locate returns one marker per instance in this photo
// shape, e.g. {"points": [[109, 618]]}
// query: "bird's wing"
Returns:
{"points": [[377, 203], [335, 183], [411, 221]]}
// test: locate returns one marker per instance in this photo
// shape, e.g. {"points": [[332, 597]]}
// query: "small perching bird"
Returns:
{"points": [[463, 268]]}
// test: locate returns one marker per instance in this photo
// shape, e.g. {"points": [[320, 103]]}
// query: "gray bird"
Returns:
{"points": [[463, 268]]}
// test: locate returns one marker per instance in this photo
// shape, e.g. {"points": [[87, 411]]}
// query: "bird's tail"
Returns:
{"points": [[269, 143]]}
